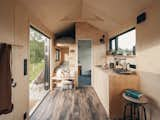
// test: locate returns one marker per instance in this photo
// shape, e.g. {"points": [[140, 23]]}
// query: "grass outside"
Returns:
{"points": [[35, 69]]}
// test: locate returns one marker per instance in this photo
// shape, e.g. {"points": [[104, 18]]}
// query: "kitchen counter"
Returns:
{"points": [[112, 72], [113, 85]]}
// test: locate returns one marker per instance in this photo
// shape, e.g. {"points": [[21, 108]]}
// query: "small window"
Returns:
{"points": [[57, 54], [113, 44], [124, 44]]}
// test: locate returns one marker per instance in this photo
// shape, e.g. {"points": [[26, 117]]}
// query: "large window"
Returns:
{"points": [[124, 44]]}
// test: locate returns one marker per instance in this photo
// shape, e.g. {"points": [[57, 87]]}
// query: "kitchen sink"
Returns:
{"points": [[122, 71]]}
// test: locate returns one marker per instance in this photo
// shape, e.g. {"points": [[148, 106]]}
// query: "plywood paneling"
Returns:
{"points": [[20, 51], [148, 57], [117, 84], [7, 21], [21, 26], [113, 14]]}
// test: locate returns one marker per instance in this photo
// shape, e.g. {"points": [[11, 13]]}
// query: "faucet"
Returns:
{"points": [[126, 66]]}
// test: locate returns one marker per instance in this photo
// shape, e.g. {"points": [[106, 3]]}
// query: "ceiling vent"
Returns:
{"points": [[141, 18]]}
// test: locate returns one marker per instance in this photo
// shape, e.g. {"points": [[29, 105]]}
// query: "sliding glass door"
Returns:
{"points": [[38, 68]]}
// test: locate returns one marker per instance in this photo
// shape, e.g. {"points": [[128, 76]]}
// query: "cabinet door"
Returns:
{"points": [[21, 25], [6, 21]]}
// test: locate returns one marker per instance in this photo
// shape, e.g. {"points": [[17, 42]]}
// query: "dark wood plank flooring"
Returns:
{"points": [[80, 104]]}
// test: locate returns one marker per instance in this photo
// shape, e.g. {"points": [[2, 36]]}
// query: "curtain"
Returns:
{"points": [[5, 79]]}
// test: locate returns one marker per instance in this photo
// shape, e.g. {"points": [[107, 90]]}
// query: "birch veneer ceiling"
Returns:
{"points": [[107, 15]]}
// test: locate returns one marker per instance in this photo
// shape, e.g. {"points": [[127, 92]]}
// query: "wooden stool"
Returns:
{"points": [[134, 105], [67, 85]]}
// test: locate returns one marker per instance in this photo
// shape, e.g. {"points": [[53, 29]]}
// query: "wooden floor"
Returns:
{"points": [[80, 104]]}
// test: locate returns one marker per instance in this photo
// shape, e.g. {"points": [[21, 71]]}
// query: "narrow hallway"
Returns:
{"points": [[84, 80]]}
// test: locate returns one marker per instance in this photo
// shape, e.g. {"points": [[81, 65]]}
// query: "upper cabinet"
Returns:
{"points": [[7, 21], [21, 25]]}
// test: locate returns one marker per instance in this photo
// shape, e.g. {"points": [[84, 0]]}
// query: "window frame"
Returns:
{"points": [[40, 32], [116, 41]]}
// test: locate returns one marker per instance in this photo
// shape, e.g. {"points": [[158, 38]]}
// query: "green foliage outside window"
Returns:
{"points": [[36, 51]]}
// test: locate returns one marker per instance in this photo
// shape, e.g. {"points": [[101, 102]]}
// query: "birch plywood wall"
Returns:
{"points": [[148, 57], [20, 51]]}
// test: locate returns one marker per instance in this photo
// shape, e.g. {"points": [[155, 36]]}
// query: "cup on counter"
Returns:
{"points": [[111, 65]]}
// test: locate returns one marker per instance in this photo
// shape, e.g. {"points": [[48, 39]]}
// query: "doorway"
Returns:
{"points": [[84, 62], [38, 68]]}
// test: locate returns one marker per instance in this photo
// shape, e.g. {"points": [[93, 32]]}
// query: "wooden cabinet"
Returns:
{"points": [[109, 87], [7, 21], [21, 25], [117, 84]]}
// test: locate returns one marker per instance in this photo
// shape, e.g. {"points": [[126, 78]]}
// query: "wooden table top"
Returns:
{"points": [[62, 78]]}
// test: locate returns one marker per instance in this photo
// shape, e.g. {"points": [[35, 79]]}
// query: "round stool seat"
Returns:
{"points": [[66, 82], [67, 85]]}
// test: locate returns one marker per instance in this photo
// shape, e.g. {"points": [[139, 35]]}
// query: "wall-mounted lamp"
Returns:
{"points": [[102, 39]]}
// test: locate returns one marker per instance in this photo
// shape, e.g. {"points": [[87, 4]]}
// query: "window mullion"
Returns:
{"points": [[116, 43]]}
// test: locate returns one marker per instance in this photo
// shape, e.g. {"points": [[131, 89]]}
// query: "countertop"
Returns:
{"points": [[112, 72]]}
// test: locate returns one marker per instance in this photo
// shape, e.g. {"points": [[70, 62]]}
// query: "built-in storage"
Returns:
{"points": [[117, 84], [109, 89]]}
